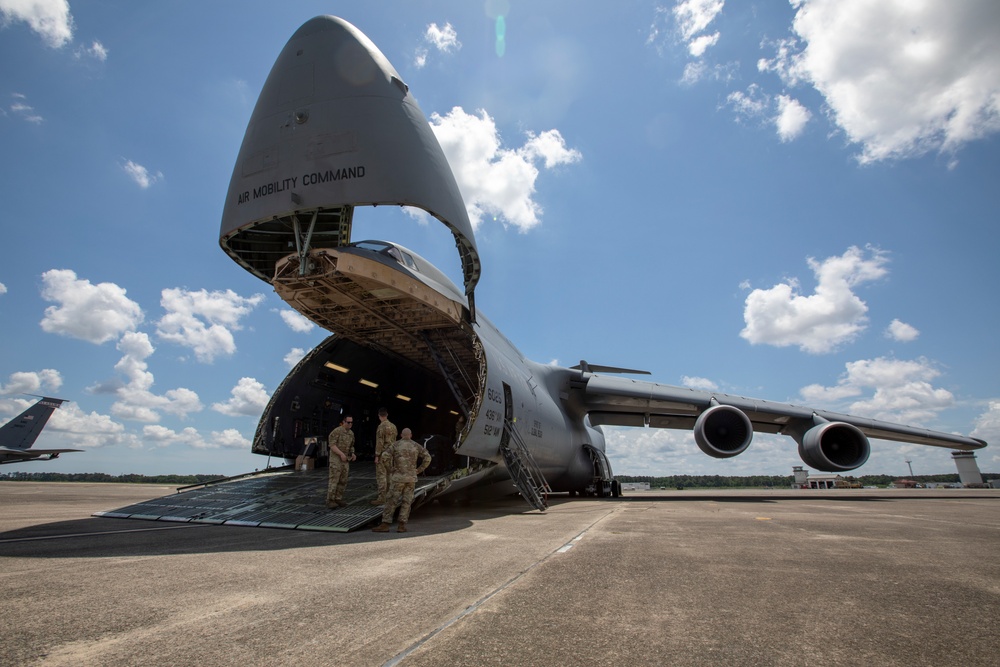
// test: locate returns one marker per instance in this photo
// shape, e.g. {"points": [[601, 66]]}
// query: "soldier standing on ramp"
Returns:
{"points": [[401, 459], [341, 443], [385, 435]]}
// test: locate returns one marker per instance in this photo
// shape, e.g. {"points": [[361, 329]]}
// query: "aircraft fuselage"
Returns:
{"points": [[425, 362], [335, 132]]}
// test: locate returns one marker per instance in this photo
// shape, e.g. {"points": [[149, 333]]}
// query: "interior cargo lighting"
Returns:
{"points": [[368, 383], [335, 367], [432, 407], [402, 398]]}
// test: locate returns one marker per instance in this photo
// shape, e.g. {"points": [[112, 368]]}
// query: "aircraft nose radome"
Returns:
{"points": [[353, 61], [335, 127]]}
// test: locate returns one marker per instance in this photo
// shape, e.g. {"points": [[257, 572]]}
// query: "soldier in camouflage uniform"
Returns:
{"points": [[341, 444], [401, 459], [385, 435]]}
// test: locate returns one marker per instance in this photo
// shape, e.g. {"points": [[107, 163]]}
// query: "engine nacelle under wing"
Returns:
{"points": [[723, 431], [834, 447]]}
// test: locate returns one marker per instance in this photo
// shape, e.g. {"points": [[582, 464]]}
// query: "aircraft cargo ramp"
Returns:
{"points": [[282, 498]]}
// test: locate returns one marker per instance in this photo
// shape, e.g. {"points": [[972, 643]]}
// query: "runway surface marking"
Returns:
{"points": [[478, 603], [103, 532], [572, 543]]}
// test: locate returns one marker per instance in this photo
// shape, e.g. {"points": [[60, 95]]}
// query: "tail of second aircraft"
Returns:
{"points": [[22, 431], [19, 434]]}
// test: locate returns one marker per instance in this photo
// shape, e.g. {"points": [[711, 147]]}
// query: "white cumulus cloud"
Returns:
{"points": [[899, 78], [49, 18], [138, 173], [294, 356], [791, 119], [687, 22], [883, 388], [296, 321], [750, 104], [988, 425], [96, 50], [160, 436], [694, 16], [699, 383], [32, 382], [443, 39], [901, 331], [249, 398], [155, 435], [788, 116], [818, 322], [497, 181], [698, 45], [136, 401], [95, 313], [71, 427], [20, 107], [204, 321], [229, 438]]}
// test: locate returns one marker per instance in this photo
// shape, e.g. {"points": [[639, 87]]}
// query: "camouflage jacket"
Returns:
{"points": [[342, 439], [401, 460], [385, 435]]}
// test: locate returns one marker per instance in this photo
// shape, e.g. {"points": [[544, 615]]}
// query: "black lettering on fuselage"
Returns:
{"points": [[313, 178], [274, 187], [331, 175]]}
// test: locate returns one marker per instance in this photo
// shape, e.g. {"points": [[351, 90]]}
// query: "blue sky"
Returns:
{"points": [[796, 201]]}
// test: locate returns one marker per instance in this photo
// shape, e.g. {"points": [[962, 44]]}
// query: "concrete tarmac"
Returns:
{"points": [[839, 577]]}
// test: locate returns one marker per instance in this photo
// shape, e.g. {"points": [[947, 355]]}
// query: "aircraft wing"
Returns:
{"points": [[8, 455], [723, 423]]}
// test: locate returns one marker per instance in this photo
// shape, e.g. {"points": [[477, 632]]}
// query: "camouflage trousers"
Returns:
{"points": [[401, 496], [338, 479], [382, 479]]}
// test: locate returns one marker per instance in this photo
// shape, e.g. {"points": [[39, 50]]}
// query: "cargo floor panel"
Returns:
{"points": [[287, 499]]}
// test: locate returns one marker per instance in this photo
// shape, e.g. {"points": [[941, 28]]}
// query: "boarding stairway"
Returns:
{"points": [[275, 498], [523, 469]]}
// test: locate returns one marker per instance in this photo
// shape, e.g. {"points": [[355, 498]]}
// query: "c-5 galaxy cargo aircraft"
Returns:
{"points": [[17, 435], [336, 131]]}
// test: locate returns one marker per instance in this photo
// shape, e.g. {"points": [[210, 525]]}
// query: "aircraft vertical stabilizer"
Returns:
{"points": [[19, 434]]}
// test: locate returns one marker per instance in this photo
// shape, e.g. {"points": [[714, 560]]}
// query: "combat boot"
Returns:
{"points": [[400, 528], [381, 528]]}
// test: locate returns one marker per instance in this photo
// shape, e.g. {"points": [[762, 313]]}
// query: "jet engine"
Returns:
{"points": [[723, 431], [834, 447]]}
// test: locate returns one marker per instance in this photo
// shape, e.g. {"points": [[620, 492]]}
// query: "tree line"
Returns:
{"points": [[179, 480], [775, 481]]}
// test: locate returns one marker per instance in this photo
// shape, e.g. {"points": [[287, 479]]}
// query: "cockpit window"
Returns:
{"points": [[377, 246], [403, 258]]}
